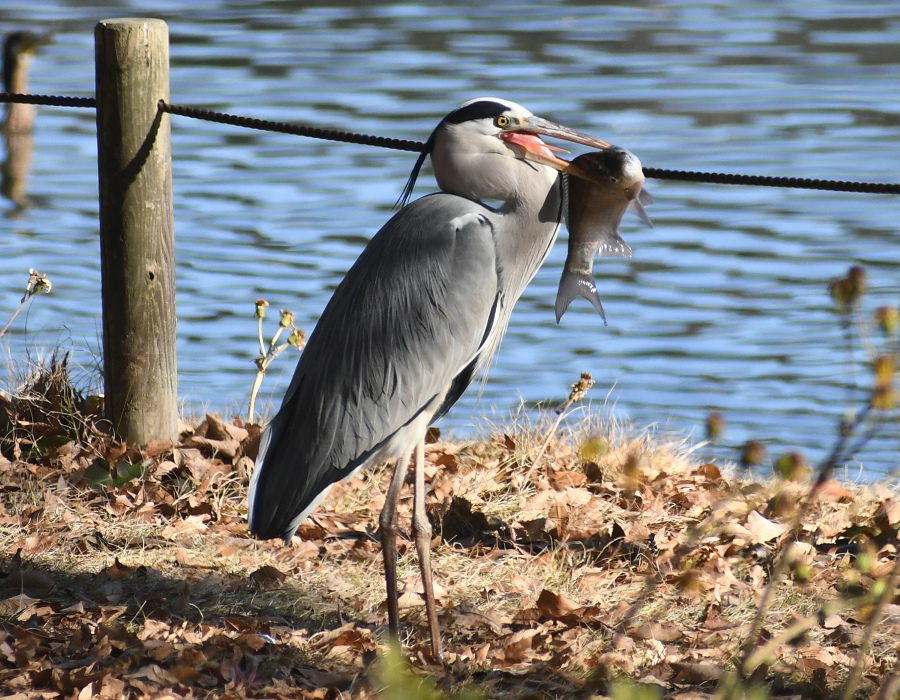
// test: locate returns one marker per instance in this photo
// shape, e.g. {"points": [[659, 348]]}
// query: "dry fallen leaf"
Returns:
{"points": [[553, 605], [267, 576], [833, 492], [763, 529], [659, 631], [562, 480], [18, 605], [696, 673]]}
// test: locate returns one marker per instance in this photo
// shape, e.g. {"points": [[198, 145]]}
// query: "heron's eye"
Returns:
{"points": [[502, 121]]}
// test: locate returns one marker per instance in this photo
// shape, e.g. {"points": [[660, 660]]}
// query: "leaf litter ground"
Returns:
{"points": [[130, 573]]}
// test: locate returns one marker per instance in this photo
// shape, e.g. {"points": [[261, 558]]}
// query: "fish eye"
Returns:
{"points": [[502, 121]]}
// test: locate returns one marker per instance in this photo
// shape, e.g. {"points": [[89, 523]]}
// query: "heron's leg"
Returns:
{"points": [[422, 534], [387, 522]]}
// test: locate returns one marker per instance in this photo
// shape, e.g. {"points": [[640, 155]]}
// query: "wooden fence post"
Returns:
{"points": [[137, 229]]}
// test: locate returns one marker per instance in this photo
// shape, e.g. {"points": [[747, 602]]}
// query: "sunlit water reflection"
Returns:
{"points": [[724, 304]]}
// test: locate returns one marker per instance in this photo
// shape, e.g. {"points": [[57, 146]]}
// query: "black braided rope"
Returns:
{"points": [[416, 146], [48, 100], [655, 173], [768, 181], [287, 128]]}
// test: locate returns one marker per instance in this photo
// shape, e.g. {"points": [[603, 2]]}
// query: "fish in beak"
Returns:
{"points": [[602, 185]]}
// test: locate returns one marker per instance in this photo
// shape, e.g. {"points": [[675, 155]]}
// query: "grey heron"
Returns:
{"points": [[415, 319], [18, 49]]}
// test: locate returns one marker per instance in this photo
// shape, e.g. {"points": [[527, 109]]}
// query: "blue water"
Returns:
{"points": [[724, 305]]}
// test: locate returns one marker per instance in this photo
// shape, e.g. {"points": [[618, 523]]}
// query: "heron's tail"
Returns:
{"points": [[252, 513], [285, 487], [255, 505]]}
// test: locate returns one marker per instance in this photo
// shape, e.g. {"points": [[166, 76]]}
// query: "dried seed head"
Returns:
{"points": [[885, 397], [594, 448], [885, 366], [633, 472], [792, 466], [888, 320], [261, 305], [846, 425], [847, 291], [287, 318], [297, 338], [858, 282], [715, 426], [754, 454], [37, 283], [581, 387]]}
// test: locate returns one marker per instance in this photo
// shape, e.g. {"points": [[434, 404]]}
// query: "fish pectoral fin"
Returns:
{"points": [[575, 284], [644, 199], [614, 246]]}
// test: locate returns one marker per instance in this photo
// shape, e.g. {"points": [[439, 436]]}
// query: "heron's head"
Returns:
{"points": [[477, 150], [18, 48]]}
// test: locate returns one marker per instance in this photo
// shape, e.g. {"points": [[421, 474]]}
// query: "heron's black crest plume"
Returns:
{"points": [[413, 176]]}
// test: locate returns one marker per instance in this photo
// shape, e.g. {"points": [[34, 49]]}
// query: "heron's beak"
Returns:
{"points": [[36, 41], [542, 127], [536, 151], [527, 136]]}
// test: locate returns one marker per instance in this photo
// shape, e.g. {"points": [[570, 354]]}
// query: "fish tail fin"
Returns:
{"points": [[574, 284]]}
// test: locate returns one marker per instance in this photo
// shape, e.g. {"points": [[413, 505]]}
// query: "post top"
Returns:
{"points": [[130, 21]]}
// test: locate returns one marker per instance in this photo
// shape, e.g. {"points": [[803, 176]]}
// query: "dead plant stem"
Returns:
{"points": [[13, 317], [825, 472], [550, 433], [884, 596]]}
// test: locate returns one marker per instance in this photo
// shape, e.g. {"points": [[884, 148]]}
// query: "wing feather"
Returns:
{"points": [[402, 333]]}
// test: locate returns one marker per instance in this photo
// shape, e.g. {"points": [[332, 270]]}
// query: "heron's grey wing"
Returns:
{"points": [[402, 335]]}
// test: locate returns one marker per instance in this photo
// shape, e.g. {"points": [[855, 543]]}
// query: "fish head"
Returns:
{"points": [[613, 168], [607, 180]]}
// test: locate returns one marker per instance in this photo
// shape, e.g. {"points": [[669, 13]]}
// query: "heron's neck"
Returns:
{"points": [[529, 229], [19, 117]]}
